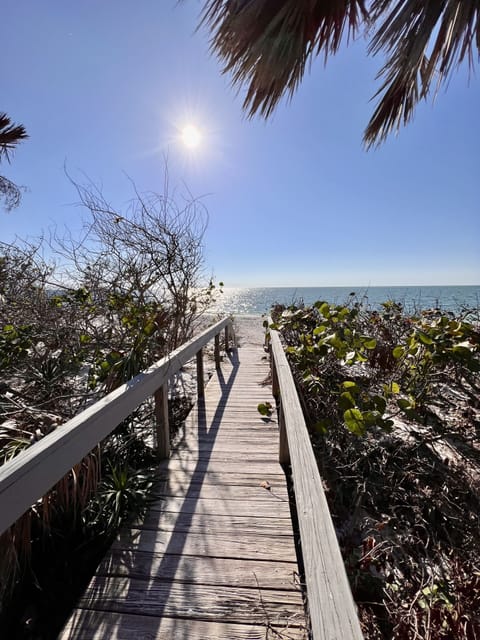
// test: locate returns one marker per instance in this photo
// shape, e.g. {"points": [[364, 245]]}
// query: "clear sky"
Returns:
{"points": [[106, 87]]}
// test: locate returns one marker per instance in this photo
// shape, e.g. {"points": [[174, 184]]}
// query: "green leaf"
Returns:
{"points": [[387, 425], [392, 388], [149, 328], [264, 409], [321, 426], [346, 401], [349, 384], [113, 357], [354, 421], [84, 338], [320, 329], [398, 352], [380, 404], [372, 418], [325, 310], [370, 343], [424, 338]]}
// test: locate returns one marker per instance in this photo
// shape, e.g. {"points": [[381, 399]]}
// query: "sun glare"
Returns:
{"points": [[191, 136]]}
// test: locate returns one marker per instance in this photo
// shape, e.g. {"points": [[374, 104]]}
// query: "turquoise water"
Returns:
{"points": [[256, 301]]}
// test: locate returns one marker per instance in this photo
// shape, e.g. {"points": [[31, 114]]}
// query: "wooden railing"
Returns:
{"points": [[31, 474], [332, 610]]}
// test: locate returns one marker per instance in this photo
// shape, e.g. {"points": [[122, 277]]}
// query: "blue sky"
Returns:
{"points": [[105, 88]]}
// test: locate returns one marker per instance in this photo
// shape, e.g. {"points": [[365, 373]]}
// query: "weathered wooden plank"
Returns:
{"points": [[232, 421], [226, 450], [208, 523], [203, 602], [231, 426], [242, 572], [253, 456], [242, 436], [95, 625], [261, 509], [244, 492], [181, 477], [213, 466], [217, 545], [227, 443], [332, 609], [235, 436]]}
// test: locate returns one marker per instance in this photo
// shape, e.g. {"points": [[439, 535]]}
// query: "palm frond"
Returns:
{"points": [[424, 41], [10, 135], [267, 44]]}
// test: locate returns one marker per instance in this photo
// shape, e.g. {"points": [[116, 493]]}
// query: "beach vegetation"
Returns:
{"points": [[391, 402], [80, 315]]}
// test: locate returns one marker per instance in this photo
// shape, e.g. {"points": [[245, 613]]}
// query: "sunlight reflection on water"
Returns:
{"points": [[258, 300]]}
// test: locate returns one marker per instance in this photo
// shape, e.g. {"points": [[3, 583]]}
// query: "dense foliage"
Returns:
{"points": [[392, 402], [73, 328]]}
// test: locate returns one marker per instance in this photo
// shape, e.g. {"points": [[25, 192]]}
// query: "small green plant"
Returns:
{"points": [[123, 493], [265, 409]]}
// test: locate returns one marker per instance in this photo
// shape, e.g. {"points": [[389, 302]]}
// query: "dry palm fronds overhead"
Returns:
{"points": [[266, 45]]}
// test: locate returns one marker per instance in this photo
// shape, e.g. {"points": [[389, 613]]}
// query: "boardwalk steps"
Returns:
{"points": [[215, 555]]}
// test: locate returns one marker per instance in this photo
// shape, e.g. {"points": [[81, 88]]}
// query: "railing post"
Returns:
{"points": [[275, 387], [283, 452], [227, 337], [217, 351], [161, 422], [200, 381]]}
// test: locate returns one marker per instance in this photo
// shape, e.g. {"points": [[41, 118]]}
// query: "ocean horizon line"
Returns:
{"points": [[347, 286], [259, 300]]}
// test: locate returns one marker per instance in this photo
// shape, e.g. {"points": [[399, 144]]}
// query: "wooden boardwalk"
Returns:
{"points": [[215, 557]]}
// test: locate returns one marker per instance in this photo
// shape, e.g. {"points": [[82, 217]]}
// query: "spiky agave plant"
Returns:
{"points": [[267, 44]]}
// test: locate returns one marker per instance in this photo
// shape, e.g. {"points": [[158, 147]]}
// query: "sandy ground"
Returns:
{"points": [[249, 331]]}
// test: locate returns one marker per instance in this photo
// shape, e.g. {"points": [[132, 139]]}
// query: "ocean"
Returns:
{"points": [[259, 300]]}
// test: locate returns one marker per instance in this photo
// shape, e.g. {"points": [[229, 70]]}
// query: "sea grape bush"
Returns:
{"points": [[384, 362], [392, 403]]}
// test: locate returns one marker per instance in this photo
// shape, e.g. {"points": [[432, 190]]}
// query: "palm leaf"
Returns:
{"points": [[268, 43], [10, 136], [424, 41]]}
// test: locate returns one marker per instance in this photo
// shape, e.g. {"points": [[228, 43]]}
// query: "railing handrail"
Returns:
{"points": [[331, 606], [31, 474]]}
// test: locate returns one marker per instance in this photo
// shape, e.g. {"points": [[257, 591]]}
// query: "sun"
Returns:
{"points": [[191, 136]]}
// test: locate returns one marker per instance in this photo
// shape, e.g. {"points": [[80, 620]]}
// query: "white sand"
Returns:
{"points": [[249, 331]]}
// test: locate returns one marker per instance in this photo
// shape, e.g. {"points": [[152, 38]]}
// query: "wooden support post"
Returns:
{"points": [[200, 381], [284, 453], [217, 351], [275, 387], [226, 338], [161, 422]]}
